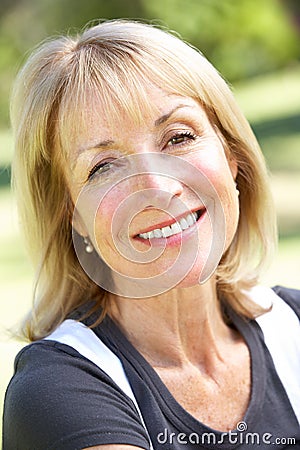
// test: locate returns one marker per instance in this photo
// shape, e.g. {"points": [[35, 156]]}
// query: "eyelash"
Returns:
{"points": [[186, 136], [95, 169]]}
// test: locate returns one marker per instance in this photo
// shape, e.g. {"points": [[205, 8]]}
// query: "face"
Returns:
{"points": [[156, 197]]}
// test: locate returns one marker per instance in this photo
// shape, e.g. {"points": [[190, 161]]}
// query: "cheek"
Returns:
{"points": [[218, 174], [98, 209], [220, 177], [109, 214], [113, 216]]}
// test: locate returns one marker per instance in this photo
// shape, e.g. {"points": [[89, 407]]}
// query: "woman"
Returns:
{"points": [[145, 202]]}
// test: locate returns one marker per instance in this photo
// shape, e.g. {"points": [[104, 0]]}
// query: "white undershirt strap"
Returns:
{"points": [[84, 340], [281, 330]]}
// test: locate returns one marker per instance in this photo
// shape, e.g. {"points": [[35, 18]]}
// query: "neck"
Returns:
{"points": [[183, 325]]}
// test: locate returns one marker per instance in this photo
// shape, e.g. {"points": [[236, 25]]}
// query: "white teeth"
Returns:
{"points": [[183, 223], [144, 235], [166, 231], [175, 228], [157, 233], [190, 219]]}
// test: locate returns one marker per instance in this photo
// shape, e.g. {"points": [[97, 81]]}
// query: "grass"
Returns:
{"points": [[280, 151], [6, 147], [272, 104], [15, 286], [270, 96]]}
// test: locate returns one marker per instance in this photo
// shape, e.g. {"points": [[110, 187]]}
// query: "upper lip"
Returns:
{"points": [[169, 222]]}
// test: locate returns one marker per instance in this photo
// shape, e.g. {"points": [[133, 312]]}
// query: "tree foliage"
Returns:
{"points": [[241, 37]]}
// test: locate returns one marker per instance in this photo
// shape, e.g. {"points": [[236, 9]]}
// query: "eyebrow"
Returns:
{"points": [[109, 142], [165, 117], [103, 144]]}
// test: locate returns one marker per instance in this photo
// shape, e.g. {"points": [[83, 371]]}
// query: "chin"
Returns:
{"points": [[199, 274]]}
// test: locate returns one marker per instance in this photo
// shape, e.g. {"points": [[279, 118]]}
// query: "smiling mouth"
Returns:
{"points": [[175, 228]]}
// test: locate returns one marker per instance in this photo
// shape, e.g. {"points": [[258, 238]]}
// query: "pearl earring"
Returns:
{"points": [[88, 245]]}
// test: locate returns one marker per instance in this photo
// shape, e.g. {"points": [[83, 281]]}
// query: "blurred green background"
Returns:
{"points": [[255, 44]]}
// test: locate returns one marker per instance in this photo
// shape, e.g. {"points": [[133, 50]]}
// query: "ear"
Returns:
{"points": [[233, 166], [75, 218], [78, 224], [232, 162]]}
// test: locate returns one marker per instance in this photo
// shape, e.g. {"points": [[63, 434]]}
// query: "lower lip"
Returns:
{"points": [[176, 239]]}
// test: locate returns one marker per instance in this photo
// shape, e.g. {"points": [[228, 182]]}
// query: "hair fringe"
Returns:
{"points": [[108, 61]]}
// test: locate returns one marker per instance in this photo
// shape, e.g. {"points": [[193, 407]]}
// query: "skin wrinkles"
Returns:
{"points": [[193, 344], [85, 152], [142, 142]]}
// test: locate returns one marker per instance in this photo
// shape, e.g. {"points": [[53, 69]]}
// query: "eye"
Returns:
{"points": [[181, 138], [99, 168]]}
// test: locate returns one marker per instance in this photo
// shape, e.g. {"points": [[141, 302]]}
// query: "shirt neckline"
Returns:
{"points": [[112, 336]]}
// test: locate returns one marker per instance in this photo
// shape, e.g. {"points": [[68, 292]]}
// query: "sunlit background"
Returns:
{"points": [[255, 44]]}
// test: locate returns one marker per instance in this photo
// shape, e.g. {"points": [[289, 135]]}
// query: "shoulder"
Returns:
{"points": [[277, 299], [59, 399], [281, 335], [290, 296], [281, 319]]}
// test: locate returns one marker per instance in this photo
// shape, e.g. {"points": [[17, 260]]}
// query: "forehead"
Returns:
{"points": [[101, 107], [98, 116]]}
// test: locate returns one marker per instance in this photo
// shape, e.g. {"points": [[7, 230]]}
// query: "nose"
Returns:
{"points": [[163, 182], [155, 183]]}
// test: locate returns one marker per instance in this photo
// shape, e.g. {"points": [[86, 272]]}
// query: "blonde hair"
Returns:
{"points": [[109, 60]]}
